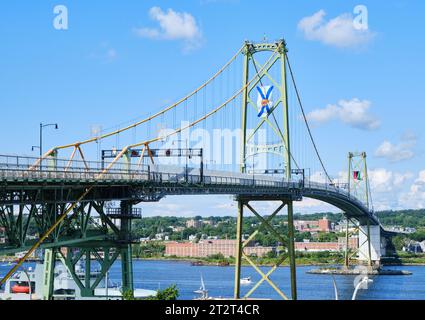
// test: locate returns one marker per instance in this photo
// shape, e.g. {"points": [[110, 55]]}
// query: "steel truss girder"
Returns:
{"points": [[56, 192], [35, 217], [72, 257]]}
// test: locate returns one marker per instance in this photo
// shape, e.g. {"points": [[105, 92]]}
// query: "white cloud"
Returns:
{"points": [[397, 152], [339, 32], [353, 112], [383, 180], [173, 25], [308, 205], [415, 197], [385, 186]]}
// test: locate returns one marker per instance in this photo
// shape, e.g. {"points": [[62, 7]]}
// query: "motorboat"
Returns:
{"points": [[246, 281]]}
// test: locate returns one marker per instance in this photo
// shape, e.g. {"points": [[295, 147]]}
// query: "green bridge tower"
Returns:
{"points": [[274, 116]]}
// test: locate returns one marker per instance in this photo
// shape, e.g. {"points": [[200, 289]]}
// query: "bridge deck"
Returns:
{"points": [[151, 183]]}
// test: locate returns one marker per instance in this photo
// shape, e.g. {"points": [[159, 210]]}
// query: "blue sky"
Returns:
{"points": [[114, 56]]}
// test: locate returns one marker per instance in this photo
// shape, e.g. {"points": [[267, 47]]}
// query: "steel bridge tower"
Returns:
{"points": [[265, 111], [370, 247]]}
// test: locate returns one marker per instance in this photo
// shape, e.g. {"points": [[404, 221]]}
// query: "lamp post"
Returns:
{"points": [[42, 126]]}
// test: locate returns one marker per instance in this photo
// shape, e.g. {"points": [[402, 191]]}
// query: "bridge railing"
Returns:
{"points": [[50, 165], [341, 189], [15, 167], [182, 177]]}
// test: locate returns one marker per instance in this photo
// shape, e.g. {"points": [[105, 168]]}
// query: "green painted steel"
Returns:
{"points": [[346, 249], [46, 193], [239, 240], [48, 273], [77, 254], [358, 185], [291, 250], [250, 50], [126, 250]]}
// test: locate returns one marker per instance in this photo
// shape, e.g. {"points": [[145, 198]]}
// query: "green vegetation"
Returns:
{"points": [[403, 218], [271, 258], [225, 228], [170, 293], [148, 250], [404, 258]]}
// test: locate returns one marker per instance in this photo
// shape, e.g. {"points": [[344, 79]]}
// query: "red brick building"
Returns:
{"points": [[207, 248], [322, 225], [227, 248], [353, 243]]}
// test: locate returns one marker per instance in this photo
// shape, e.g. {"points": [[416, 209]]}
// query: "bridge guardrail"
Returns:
{"points": [[15, 167]]}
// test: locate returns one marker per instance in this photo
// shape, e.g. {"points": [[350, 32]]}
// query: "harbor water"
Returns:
{"points": [[155, 275]]}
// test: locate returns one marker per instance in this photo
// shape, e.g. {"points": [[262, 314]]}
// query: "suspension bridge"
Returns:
{"points": [[60, 193]]}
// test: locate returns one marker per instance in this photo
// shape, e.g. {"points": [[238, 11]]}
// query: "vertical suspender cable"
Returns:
{"points": [[305, 119]]}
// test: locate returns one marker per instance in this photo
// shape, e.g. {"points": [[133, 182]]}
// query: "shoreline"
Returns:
{"points": [[217, 264], [230, 264]]}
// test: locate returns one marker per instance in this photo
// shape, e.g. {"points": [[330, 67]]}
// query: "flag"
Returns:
{"points": [[264, 101], [357, 175]]}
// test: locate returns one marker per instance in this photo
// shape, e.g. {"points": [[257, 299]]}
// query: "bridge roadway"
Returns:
{"points": [[151, 183]]}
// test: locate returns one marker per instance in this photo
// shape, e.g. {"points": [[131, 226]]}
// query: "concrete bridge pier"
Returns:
{"points": [[371, 246]]}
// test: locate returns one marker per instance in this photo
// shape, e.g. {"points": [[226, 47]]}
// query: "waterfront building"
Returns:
{"points": [[308, 246], [205, 248], [193, 223], [322, 225]]}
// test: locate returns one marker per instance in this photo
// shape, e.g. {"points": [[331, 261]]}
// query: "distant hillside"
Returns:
{"points": [[404, 218]]}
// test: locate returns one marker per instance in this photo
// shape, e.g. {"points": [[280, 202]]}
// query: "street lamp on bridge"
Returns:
{"points": [[40, 146]]}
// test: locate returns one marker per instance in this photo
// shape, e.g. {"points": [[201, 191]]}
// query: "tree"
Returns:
{"points": [[300, 236], [327, 237], [418, 235], [168, 294], [398, 242]]}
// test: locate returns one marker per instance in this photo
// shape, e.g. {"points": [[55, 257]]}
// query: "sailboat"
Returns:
{"points": [[202, 291]]}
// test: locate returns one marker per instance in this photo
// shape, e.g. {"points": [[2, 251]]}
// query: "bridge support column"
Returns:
{"points": [[347, 247], [48, 273], [126, 250], [291, 250], [370, 244], [265, 225], [239, 248], [104, 256]]}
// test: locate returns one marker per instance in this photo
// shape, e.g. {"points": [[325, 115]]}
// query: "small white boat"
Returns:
{"points": [[246, 281], [202, 291]]}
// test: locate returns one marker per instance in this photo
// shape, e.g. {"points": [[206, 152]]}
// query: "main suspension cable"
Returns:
{"points": [[305, 119], [159, 113]]}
